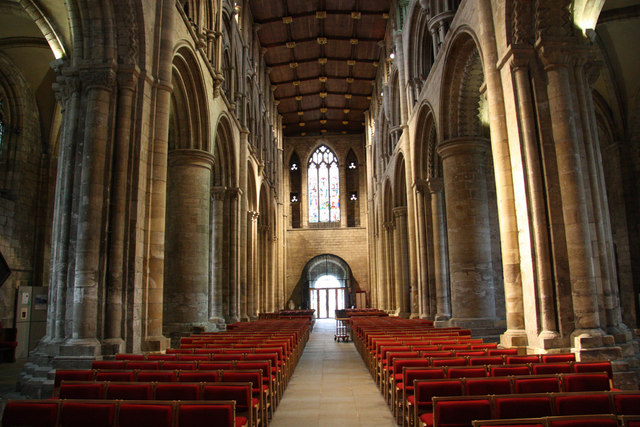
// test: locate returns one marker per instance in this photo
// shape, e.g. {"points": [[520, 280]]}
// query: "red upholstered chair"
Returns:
{"points": [[177, 391], [177, 365], [583, 404], [466, 372], [502, 351], [504, 370], [486, 346], [126, 356], [159, 376], [115, 376], [448, 412], [72, 375], [449, 361], [547, 384], [404, 398], [146, 365], [519, 360], [82, 414], [246, 405], [89, 390], [214, 366], [255, 378], [147, 415], [128, 391], [585, 382], [485, 360], [218, 414], [551, 368], [582, 367], [627, 403], [470, 353], [629, 420], [439, 353], [425, 390], [193, 357], [162, 357], [526, 406], [198, 376], [226, 357], [484, 386], [32, 413], [555, 358], [583, 421], [108, 364]]}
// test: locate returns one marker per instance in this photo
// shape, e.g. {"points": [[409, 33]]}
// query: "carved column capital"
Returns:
{"points": [[98, 78], [400, 211], [436, 185], [420, 186], [389, 226], [462, 145], [191, 157], [218, 193]]}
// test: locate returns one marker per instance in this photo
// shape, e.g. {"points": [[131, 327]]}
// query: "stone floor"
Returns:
{"points": [[8, 378], [331, 387]]}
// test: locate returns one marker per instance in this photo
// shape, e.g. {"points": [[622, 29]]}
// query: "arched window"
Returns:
{"points": [[323, 181], [1, 125]]}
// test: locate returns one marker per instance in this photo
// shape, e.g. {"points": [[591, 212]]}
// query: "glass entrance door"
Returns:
{"points": [[326, 301]]}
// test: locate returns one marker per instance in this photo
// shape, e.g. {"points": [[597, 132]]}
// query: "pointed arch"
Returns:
{"points": [[323, 185], [224, 168]]}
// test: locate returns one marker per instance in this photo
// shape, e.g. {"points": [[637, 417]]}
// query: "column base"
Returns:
{"points": [[112, 346], [514, 338], [156, 343], [481, 327]]}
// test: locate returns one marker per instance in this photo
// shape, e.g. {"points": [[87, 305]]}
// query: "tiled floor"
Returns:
{"points": [[331, 387]]}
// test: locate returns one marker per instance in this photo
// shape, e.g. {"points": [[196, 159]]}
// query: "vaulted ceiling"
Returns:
{"points": [[323, 56]]}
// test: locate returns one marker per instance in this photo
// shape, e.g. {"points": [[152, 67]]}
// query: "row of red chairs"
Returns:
{"points": [[603, 420], [119, 413], [247, 406], [463, 410], [419, 396]]}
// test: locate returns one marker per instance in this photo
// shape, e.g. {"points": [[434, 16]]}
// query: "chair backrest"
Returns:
{"points": [[425, 390], [456, 412], [555, 358], [148, 365], [449, 361], [177, 391], [583, 421], [158, 414], [212, 366], [551, 368], [627, 403], [160, 376], [585, 382], [582, 404], [502, 351], [177, 365], [211, 414], [240, 392], [198, 376], [504, 370], [108, 364], [488, 385], [82, 414], [121, 375], [518, 360], [536, 384], [466, 371], [128, 391], [583, 367], [19, 413], [524, 406], [485, 360], [126, 356], [84, 390], [162, 357]]}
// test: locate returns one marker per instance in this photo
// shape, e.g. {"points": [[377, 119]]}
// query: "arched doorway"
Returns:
{"points": [[326, 285]]}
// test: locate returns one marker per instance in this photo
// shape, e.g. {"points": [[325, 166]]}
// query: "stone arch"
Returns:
{"points": [[188, 128], [420, 48], [427, 163], [224, 170]]}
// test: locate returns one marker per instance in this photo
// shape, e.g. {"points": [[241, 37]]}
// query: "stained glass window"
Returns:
{"points": [[324, 186]]}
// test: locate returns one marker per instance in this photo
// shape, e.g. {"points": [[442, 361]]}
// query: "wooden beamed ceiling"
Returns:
{"points": [[323, 58]]}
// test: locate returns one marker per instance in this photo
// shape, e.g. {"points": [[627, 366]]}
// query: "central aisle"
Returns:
{"points": [[331, 387]]}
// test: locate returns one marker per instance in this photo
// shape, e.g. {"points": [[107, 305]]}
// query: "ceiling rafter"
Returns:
{"points": [[329, 13]]}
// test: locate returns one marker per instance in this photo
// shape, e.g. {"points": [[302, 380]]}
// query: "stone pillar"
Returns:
{"points": [[570, 175], [424, 296], [389, 265], [470, 260], [402, 261], [98, 85], [186, 302], [116, 267], [252, 264], [440, 257], [235, 290], [537, 217], [216, 278], [381, 271]]}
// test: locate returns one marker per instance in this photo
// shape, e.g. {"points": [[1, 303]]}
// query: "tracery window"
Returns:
{"points": [[323, 182]]}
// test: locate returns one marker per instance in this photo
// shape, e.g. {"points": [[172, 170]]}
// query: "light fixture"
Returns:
{"points": [[294, 198], [393, 55], [294, 167], [352, 165], [354, 196]]}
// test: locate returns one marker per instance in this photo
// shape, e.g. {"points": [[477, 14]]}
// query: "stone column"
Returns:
{"points": [[381, 272], [116, 268], [67, 90], [252, 265], [98, 85], [538, 216], [470, 261], [234, 254], [217, 285], [424, 296], [389, 265], [440, 251], [186, 302], [402, 261], [570, 175]]}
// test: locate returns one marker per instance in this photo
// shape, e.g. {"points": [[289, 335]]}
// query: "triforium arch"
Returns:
{"points": [[470, 198], [250, 298], [388, 251]]}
